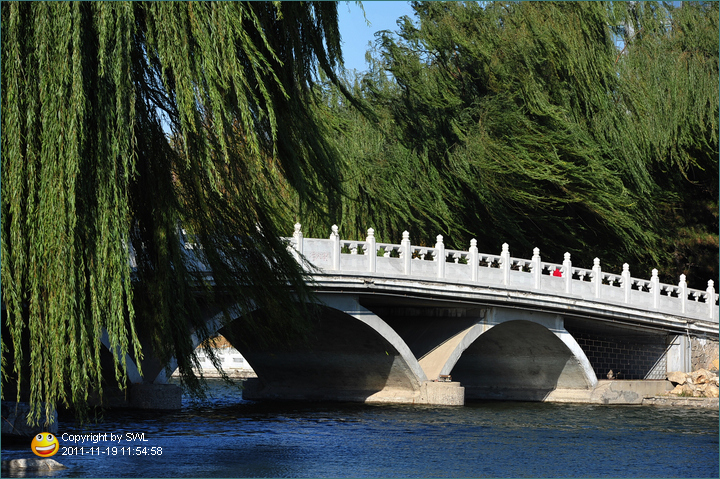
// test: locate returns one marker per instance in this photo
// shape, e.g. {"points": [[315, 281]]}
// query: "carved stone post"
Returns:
{"points": [[371, 250], [597, 276], [405, 252], [473, 259], [567, 272], [298, 241], [626, 281], [536, 267], [710, 299], [335, 247], [505, 260], [682, 293], [440, 256], [655, 288]]}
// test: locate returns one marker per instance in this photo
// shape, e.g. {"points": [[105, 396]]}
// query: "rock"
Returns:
{"points": [[701, 376], [32, 464], [711, 391], [688, 390], [677, 391], [715, 364], [677, 377]]}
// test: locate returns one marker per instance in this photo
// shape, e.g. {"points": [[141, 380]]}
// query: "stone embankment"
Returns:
{"points": [[700, 383], [696, 389]]}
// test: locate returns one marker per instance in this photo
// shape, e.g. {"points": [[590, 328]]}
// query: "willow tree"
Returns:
{"points": [[126, 124], [668, 70], [524, 123]]}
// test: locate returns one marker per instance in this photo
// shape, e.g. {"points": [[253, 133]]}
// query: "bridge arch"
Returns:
{"points": [[351, 354], [519, 355]]}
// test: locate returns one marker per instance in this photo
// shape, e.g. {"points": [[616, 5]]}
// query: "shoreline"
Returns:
{"points": [[679, 401]]}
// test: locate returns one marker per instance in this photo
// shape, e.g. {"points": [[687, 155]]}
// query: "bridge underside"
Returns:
{"points": [[518, 360], [382, 349], [341, 358]]}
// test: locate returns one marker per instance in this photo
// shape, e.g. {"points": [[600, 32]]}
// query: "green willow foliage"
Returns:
{"points": [[523, 123], [670, 73], [123, 122]]}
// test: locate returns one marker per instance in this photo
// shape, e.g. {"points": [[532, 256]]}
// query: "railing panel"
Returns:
{"points": [[641, 299], [390, 266], [319, 252], [353, 262], [458, 272], [611, 293], [490, 276], [423, 268], [584, 289], [521, 280], [552, 284], [669, 304], [697, 304]]}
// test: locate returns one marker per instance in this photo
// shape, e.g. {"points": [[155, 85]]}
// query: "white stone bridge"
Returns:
{"points": [[417, 324]]}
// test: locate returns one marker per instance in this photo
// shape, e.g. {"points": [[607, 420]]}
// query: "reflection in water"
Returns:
{"points": [[229, 437]]}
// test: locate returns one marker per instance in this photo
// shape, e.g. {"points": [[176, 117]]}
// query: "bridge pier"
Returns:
{"points": [[679, 354]]}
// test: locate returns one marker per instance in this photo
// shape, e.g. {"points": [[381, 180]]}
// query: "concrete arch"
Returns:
{"points": [[351, 355], [519, 355], [214, 324], [132, 369]]}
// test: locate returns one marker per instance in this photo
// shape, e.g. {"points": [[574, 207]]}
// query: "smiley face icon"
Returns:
{"points": [[45, 444]]}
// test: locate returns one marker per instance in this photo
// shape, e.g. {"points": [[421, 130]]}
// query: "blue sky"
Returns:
{"points": [[356, 33]]}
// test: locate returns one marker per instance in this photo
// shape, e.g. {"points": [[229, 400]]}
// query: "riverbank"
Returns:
{"points": [[696, 389], [670, 401], [631, 392]]}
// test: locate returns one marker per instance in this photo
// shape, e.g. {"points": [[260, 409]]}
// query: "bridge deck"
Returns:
{"points": [[502, 278]]}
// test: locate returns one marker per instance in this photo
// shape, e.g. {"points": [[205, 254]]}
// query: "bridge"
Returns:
{"points": [[429, 325]]}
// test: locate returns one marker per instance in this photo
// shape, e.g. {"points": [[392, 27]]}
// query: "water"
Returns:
{"points": [[229, 437]]}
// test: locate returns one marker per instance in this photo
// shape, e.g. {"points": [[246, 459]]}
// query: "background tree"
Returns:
{"points": [[125, 121], [669, 74], [523, 122]]}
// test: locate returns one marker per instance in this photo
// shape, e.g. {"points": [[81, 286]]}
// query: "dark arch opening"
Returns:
{"points": [[518, 360], [339, 358]]}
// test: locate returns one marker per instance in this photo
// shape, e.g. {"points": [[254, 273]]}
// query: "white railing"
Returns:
{"points": [[405, 259]]}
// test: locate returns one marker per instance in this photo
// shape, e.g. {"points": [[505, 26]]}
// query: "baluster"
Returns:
{"points": [[440, 257], [567, 272], [655, 288], [405, 252], [298, 241], [473, 260], [371, 250], [710, 299], [536, 267], [505, 260], [597, 276], [335, 247], [682, 292], [626, 281]]}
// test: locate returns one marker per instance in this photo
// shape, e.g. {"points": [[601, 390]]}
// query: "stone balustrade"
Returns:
{"points": [[334, 255]]}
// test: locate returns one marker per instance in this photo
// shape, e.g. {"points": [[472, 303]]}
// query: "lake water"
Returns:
{"points": [[226, 436]]}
